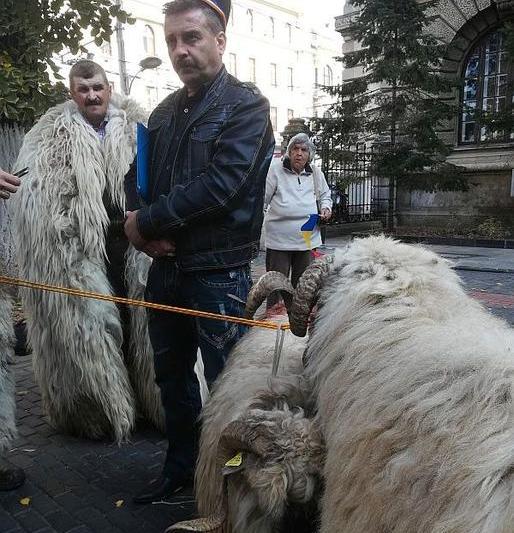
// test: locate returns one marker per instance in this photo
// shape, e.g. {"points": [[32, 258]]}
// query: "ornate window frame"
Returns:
{"points": [[487, 77]]}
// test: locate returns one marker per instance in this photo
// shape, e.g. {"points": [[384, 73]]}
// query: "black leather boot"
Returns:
{"points": [[162, 488]]}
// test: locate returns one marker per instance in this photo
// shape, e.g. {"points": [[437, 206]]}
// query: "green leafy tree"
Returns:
{"points": [[31, 33], [396, 104]]}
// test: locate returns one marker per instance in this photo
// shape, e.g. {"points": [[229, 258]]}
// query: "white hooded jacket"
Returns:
{"points": [[290, 200]]}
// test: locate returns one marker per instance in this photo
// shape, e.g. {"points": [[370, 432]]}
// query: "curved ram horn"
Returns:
{"points": [[306, 295], [240, 436], [237, 436], [268, 283], [215, 523]]}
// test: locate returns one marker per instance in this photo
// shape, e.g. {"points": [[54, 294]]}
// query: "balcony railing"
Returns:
{"points": [[343, 22]]}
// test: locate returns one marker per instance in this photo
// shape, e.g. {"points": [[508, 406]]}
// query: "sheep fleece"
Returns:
{"points": [[414, 384], [60, 223], [7, 406], [245, 377]]}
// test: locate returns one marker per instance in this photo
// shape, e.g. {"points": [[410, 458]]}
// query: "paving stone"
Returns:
{"points": [[7, 522], [94, 519], [62, 521], [81, 529], [69, 501], [31, 520]]}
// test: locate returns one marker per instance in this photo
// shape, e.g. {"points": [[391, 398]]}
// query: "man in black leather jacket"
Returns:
{"points": [[211, 144]]}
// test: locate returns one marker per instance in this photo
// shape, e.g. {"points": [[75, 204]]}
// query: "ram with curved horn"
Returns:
{"points": [[275, 481], [270, 459], [414, 386]]}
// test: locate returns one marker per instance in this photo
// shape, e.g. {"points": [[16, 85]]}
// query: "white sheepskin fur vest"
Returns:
{"points": [[7, 408], [60, 223]]}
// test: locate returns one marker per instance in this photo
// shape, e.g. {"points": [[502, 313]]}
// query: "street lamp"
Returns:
{"points": [[146, 63]]}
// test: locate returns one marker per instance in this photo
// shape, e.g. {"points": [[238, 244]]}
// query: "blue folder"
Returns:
{"points": [[143, 142]]}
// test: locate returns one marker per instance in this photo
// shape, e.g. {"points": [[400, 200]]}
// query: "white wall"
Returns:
{"points": [[313, 44]]}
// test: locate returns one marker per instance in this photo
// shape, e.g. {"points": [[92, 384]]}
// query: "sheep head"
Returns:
{"points": [[280, 457]]}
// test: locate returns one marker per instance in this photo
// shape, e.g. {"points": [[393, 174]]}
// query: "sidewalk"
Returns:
{"points": [[76, 485], [80, 486], [463, 257]]}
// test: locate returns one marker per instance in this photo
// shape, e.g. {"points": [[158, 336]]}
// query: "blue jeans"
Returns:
{"points": [[176, 338]]}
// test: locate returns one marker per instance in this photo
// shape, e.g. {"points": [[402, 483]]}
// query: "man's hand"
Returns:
{"points": [[159, 248], [325, 214], [156, 248], [8, 184], [132, 232]]}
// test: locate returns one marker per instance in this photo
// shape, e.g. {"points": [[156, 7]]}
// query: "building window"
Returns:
{"points": [[249, 15], [290, 78], [273, 117], [327, 76], [106, 48], [151, 97], [252, 70], [272, 27], [149, 41], [289, 30], [487, 88], [273, 74], [316, 77], [232, 64], [290, 114]]}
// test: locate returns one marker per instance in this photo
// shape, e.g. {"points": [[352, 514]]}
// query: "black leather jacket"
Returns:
{"points": [[215, 206]]}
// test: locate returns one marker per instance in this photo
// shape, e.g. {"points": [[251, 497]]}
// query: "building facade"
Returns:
{"points": [[476, 56], [273, 43]]}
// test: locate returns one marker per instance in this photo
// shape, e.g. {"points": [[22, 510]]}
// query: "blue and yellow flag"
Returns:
{"points": [[307, 229]]}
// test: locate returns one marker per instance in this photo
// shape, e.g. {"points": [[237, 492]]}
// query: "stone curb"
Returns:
{"points": [[452, 241], [485, 269]]}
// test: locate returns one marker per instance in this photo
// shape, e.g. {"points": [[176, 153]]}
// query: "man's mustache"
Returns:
{"points": [[93, 102], [185, 64]]}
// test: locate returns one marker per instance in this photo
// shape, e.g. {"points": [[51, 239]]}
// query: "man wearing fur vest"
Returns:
{"points": [[69, 232], [10, 478]]}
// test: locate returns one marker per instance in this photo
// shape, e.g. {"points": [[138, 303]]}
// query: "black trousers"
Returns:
{"points": [[175, 340], [287, 262], [116, 245]]}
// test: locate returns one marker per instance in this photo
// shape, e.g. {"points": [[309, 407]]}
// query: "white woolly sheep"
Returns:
{"points": [[264, 418], [414, 383], [7, 407]]}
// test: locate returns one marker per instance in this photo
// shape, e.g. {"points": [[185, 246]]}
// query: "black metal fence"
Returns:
{"points": [[357, 194]]}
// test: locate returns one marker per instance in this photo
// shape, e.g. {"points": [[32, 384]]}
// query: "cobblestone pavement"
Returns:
{"points": [[76, 485], [80, 486]]}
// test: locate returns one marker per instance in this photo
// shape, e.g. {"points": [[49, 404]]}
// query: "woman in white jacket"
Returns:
{"points": [[295, 190]]}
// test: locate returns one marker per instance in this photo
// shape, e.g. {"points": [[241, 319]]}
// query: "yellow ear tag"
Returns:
{"points": [[237, 460]]}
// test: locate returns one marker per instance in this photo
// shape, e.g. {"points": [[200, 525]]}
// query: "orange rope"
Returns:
{"points": [[6, 280]]}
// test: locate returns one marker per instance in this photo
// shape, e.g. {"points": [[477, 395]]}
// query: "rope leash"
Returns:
{"points": [[6, 280]]}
